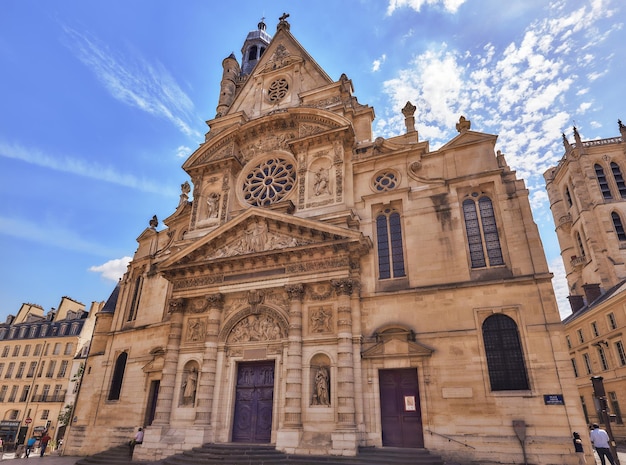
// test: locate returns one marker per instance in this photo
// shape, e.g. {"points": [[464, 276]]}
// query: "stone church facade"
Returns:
{"points": [[324, 290]]}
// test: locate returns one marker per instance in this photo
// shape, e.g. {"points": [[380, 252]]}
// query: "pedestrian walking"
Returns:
{"points": [[600, 440]]}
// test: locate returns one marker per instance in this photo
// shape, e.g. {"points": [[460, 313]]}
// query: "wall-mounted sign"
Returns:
{"points": [[553, 399], [409, 404]]}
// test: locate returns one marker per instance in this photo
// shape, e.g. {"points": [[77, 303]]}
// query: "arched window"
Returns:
{"points": [[505, 358], [252, 53], [619, 179], [134, 305], [602, 182], [390, 249], [619, 227], [482, 232], [118, 376]]}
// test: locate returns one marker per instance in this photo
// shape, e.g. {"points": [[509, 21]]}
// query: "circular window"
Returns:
{"points": [[385, 181], [269, 181], [277, 90]]}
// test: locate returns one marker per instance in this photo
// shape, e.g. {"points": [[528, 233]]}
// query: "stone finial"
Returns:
{"points": [[463, 125], [185, 189], [566, 143], [577, 138], [154, 222], [409, 120], [622, 130], [282, 23]]}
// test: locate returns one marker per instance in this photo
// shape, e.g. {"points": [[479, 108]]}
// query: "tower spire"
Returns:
{"points": [[254, 46]]}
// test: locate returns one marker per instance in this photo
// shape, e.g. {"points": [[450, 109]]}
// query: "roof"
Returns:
{"points": [[109, 306], [616, 290]]}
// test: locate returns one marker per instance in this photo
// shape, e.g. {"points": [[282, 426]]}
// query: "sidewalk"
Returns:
{"points": [[45, 460]]}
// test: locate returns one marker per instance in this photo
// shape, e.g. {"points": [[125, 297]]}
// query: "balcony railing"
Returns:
{"points": [[577, 262], [60, 397]]}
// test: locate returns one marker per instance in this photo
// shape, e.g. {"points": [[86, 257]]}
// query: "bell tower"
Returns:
{"points": [[254, 46]]}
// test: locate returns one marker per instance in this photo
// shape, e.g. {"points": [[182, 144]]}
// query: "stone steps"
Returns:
{"points": [[249, 454]]}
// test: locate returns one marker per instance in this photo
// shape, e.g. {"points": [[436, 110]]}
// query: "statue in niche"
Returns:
{"points": [[321, 184], [321, 391], [321, 321], [189, 387], [212, 202]]}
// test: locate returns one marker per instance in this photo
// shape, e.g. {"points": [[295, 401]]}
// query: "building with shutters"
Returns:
{"points": [[587, 194], [322, 290], [40, 355]]}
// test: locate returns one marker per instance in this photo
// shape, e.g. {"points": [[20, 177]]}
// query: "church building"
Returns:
{"points": [[321, 290]]}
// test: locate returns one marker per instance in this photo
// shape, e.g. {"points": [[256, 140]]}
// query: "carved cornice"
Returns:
{"points": [[344, 286]]}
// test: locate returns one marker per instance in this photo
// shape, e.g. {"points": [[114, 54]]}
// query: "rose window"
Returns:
{"points": [[385, 181], [277, 90], [269, 182]]}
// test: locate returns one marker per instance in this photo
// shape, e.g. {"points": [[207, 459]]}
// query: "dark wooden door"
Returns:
{"points": [[253, 402], [400, 408]]}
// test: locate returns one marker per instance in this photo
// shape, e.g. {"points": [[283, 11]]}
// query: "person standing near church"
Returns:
{"points": [[600, 440]]}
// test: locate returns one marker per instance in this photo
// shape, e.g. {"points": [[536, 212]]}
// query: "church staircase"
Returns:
{"points": [[243, 454]]}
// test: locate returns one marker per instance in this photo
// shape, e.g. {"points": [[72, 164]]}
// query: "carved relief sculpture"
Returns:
{"points": [[321, 320], [213, 205], [255, 328], [321, 184], [196, 330]]}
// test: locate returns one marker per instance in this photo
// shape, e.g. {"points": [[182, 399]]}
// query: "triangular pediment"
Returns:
{"points": [[397, 348], [261, 233], [470, 138], [286, 63]]}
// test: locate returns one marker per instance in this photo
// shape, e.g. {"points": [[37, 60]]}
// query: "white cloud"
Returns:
{"points": [[113, 269], [136, 82], [451, 6], [183, 151], [559, 282], [79, 167], [378, 62]]}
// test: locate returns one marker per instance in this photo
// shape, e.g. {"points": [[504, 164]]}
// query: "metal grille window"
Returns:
{"points": [[619, 179], [390, 248], [45, 414], [619, 347], [602, 182], [482, 232], [505, 358], [618, 225], [587, 361]]}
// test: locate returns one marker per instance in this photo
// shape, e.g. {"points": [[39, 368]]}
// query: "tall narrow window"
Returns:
{"points": [[575, 367], [3, 392], [134, 305], [390, 248], [619, 347], [587, 361], [603, 361], [619, 179], [612, 321], [24, 396], [619, 227], [568, 197], [585, 412], [581, 247], [594, 329], [482, 233], [118, 376], [252, 53], [569, 342], [615, 408], [505, 358], [602, 182]]}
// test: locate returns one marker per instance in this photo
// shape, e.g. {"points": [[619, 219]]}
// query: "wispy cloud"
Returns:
{"points": [[52, 235], [112, 270], [135, 81], [183, 151], [451, 6], [80, 168]]}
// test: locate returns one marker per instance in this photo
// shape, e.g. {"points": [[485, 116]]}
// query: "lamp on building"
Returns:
{"points": [[600, 344]]}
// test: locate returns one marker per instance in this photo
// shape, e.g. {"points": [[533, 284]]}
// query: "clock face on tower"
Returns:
{"points": [[269, 181]]}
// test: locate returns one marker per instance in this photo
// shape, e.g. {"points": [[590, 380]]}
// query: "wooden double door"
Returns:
{"points": [[400, 408], [254, 397]]}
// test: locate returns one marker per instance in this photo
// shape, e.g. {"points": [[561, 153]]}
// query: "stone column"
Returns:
{"points": [[170, 364], [345, 360], [293, 392], [206, 386]]}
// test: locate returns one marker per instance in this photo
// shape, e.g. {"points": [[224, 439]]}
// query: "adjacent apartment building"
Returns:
{"points": [[40, 364], [587, 192], [326, 290]]}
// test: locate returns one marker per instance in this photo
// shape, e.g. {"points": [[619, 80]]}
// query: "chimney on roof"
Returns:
{"points": [[592, 292], [576, 302]]}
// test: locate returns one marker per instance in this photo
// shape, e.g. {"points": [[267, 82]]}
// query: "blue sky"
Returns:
{"points": [[101, 103]]}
